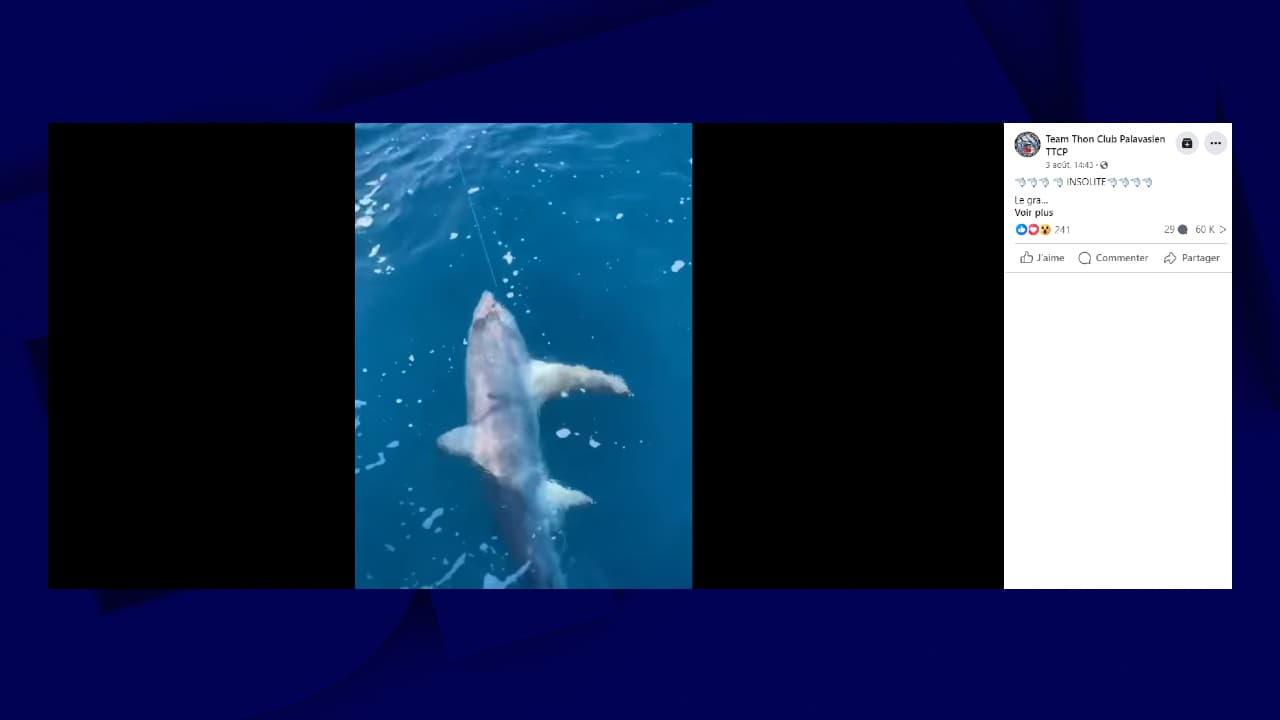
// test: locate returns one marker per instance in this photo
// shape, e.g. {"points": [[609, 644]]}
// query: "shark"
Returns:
{"points": [[506, 388]]}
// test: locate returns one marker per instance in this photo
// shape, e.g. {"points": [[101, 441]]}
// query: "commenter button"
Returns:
{"points": [[1121, 258]]}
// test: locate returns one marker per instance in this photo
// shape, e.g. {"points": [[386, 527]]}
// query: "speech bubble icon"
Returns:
{"points": [[1085, 258]]}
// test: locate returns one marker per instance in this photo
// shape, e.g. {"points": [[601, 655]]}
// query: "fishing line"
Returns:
{"points": [[479, 230]]}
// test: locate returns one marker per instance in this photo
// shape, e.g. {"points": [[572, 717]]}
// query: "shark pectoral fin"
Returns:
{"points": [[546, 380], [457, 441], [560, 497]]}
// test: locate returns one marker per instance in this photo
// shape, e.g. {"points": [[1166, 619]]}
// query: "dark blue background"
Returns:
{"points": [[393, 654]]}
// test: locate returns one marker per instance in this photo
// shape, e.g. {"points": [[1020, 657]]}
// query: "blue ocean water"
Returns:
{"points": [[588, 232]]}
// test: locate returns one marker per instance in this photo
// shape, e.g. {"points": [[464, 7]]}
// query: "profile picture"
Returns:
{"points": [[1027, 144]]}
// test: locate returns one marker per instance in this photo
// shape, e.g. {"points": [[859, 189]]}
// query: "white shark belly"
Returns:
{"points": [[505, 389]]}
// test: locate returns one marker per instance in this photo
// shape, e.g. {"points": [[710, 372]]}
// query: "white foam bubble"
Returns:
{"points": [[515, 273], [383, 178], [365, 201], [411, 359], [473, 191], [389, 547], [393, 444], [364, 221], [677, 265], [493, 583], [399, 400], [382, 460], [563, 433], [592, 442], [508, 257], [447, 576], [426, 524], [360, 404]]}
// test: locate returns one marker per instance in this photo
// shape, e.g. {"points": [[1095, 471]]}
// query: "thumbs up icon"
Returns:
{"points": [[1026, 257]]}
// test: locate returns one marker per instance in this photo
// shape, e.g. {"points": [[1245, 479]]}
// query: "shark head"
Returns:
{"points": [[489, 308]]}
